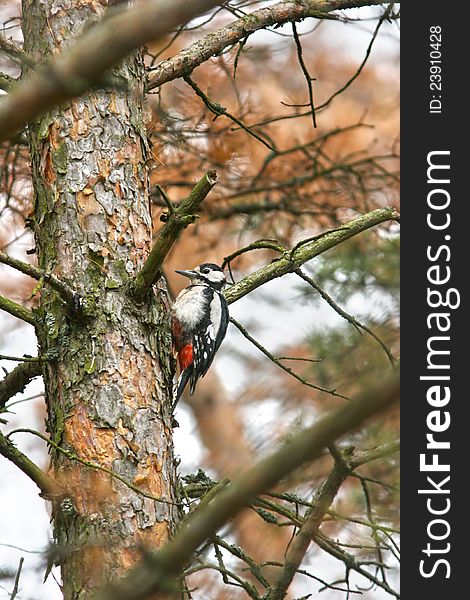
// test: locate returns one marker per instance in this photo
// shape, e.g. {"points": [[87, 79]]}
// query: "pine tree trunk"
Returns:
{"points": [[108, 385]]}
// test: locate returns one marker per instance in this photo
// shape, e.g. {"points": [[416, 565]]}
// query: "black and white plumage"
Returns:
{"points": [[199, 323]]}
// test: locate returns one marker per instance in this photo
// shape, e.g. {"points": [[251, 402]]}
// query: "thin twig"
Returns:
{"points": [[219, 111], [241, 46], [17, 580], [372, 526], [238, 581], [307, 75], [168, 202], [258, 245], [385, 15], [342, 313], [374, 534], [277, 362], [24, 358], [300, 358], [330, 586], [313, 145]]}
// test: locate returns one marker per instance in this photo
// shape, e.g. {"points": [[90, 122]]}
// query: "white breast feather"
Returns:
{"points": [[189, 307]]}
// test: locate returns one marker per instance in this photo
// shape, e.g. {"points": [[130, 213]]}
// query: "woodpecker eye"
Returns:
{"points": [[206, 270]]}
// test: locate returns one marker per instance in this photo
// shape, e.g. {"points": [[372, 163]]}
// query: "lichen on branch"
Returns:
{"points": [[304, 251], [66, 293], [49, 487], [16, 310], [183, 63], [176, 220]]}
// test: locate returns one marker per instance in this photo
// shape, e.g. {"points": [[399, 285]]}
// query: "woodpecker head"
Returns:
{"points": [[206, 274]]}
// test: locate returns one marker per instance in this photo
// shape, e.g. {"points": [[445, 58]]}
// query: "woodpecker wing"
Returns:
{"points": [[224, 318], [209, 336]]}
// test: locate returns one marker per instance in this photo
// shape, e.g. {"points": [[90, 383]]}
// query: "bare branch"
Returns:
{"points": [[17, 580], [49, 487], [16, 381], [277, 361], [385, 16], [148, 577], [313, 519], [15, 52], [219, 110], [184, 63], [87, 463], [350, 562], [66, 292], [308, 77], [305, 251], [176, 220], [357, 324], [84, 64]]}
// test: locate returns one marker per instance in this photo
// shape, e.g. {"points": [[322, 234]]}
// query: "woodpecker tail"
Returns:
{"points": [[182, 381], [185, 359]]}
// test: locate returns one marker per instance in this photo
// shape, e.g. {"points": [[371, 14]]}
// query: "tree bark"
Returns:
{"points": [[109, 382]]}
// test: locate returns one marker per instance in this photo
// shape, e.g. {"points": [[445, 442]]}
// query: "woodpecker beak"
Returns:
{"points": [[189, 274]]}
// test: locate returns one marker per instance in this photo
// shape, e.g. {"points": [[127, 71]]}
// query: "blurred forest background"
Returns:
{"points": [[286, 173]]}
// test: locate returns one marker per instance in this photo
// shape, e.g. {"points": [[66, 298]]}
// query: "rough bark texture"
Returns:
{"points": [[109, 388]]}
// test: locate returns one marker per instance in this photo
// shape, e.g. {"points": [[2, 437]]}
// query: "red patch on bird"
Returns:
{"points": [[185, 356]]}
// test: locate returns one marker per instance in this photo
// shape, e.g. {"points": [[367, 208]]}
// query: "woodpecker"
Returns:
{"points": [[199, 323]]}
